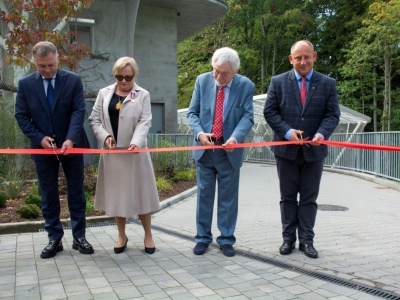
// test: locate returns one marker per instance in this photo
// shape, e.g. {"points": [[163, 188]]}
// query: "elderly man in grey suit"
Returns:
{"points": [[220, 113], [301, 103]]}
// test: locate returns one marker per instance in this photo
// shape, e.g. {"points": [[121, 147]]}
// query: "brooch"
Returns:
{"points": [[133, 96]]}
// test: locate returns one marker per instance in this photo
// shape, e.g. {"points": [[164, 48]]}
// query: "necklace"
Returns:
{"points": [[119, 104]]}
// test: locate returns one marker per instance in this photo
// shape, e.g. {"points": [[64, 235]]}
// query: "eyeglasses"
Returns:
{"points": [[127, 78]]}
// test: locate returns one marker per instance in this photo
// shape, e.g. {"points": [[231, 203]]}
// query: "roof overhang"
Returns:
{"points": [[193, 15]]}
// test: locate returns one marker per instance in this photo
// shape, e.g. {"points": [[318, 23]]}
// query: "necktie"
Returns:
{"points": [[303, 89], [218, 114], [50, 94]]}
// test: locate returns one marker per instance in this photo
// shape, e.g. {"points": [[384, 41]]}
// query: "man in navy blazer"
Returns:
{"points": [[300, 166], [50, 110], [219, 165]]}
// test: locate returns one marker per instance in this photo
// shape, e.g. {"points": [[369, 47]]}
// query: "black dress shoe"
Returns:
{"points": [[82, 245], [52, 248], [309, 250], [118, 250], [286, 247], [200, 248], [149, 250], [227, 250]]}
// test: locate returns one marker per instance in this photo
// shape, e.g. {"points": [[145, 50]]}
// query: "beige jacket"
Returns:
{"points": [[125, 182]]}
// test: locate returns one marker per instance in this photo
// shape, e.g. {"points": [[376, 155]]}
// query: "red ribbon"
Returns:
{"points": [[190, 148]]}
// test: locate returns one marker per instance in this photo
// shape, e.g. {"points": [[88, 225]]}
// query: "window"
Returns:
{"points": [[84, 31]]}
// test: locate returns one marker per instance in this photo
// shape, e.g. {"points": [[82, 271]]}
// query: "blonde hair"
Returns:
{"points": [[122, 62]]}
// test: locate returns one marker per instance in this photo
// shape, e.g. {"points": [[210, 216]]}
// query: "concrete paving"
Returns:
{"points": [[357, 236]]}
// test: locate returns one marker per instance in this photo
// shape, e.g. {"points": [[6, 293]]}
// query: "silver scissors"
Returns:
{"points": [[305, 139], [54, 149]]}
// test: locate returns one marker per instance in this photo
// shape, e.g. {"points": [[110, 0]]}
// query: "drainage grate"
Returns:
{"points": [[325, 277], [329, 207], [328, 278]]}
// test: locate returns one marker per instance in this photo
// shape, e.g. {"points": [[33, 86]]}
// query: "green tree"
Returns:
{"points": [[372, 56]]}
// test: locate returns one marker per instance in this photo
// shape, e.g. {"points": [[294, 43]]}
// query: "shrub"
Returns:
{"points": [[33, 189], [163, 184], [89, 204], [90, 179], [185, 175], [89, 207], [164, 162], [13, 188], [29, 211], [34, 199], [13, 181], [170, 162], [3, 199]]}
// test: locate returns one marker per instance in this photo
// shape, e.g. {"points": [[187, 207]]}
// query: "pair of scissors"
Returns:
{"points": [[54, 146], [305, 139], [210, 140]]}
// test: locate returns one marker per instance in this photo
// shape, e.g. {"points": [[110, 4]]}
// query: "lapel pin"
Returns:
{"points": [[133, 97]]}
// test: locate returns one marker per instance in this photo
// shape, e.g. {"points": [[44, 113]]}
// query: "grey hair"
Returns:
{"points": [[122, 62], [302, 41], [43, 49], [224, 55]]}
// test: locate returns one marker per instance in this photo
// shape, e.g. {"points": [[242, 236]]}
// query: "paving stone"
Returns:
{"points": [[355, 251]]}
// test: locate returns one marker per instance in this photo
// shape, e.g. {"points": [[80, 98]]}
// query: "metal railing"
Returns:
{"points": [[379, 163], [384, 164]]}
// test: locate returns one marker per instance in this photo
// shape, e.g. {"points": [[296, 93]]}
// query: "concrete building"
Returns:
{"points": [[149, 31]]}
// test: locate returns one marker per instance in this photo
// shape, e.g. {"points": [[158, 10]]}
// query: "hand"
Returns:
{"points": [[317, 137], [65, 145], [230, 141], [47, 142], [110, 142], [133, 147], [295, 135], [205, 139]]}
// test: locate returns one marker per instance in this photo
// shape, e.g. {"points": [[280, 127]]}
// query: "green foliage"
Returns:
{"points": [[185, 175], [90, 179], [13, 182], [356, 41], [3, 199], [29, 211], [169, 163], [89, 204], [34, 199], [163, 184], [164, 161], [33, 189]]}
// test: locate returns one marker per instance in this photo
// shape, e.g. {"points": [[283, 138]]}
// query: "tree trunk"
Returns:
{"points": [[386, 106], [375, 103]]}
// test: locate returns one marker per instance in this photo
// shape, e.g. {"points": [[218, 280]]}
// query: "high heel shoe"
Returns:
{"points": [[118, 250], [149, 250]]}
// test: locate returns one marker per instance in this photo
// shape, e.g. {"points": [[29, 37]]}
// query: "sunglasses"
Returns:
{"points": [[127, 78]]}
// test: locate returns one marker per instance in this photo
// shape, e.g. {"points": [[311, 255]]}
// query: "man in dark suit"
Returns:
{"points": [[50, 110], [221, 118], [301, 104]]}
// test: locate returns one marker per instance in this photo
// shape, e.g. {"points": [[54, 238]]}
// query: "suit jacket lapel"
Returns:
{"points": [[106, 101], [311, 88], [212, 94], [59, 85], [232, 95], [295, 89], [39, 88]]}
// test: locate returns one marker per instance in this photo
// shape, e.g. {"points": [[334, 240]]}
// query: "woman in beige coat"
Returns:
{"points": [[126, 185]]}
